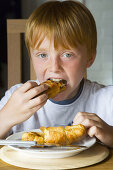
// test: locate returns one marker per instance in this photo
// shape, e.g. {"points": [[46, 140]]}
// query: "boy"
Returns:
{"points": [[61, 39]]}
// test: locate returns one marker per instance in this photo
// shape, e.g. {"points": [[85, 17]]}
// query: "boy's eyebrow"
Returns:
{"points": [[35, 51], [39, 49]]}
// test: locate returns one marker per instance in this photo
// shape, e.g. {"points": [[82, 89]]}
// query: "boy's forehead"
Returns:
{"points": [[44, 44], [48, 43]]}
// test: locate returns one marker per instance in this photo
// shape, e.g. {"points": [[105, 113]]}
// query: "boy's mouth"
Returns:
{"points": [[58, 80]]}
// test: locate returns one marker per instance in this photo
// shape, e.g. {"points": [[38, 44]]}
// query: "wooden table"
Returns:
{"points": [[107, 164]]}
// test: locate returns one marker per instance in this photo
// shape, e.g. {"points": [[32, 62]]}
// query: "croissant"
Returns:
{"points": [[33, 136], [55, 87], [56, 135], [74, 133]]}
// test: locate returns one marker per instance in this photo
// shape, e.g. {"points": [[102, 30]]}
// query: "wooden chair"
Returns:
{"points": [[16, 27]]}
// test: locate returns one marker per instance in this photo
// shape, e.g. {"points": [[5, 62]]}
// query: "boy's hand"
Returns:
{"points": [[95, 127], [23, 103]]}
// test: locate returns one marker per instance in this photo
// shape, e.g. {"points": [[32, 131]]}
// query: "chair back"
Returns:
{"points": [[15, 28]]}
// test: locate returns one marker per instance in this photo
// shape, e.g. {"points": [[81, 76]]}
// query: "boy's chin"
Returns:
{"points": [[59, 97]]}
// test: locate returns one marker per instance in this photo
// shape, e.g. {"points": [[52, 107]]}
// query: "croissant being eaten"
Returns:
{"points": [[55, 86], [56, 135]]}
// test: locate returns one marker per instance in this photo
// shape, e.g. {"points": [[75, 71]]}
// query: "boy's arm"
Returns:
{"points": [[4, 125], [22, 104], [95, 127], [4, 131]]}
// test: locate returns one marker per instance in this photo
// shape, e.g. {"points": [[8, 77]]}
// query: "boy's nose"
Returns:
{"points": [[55, 65]]}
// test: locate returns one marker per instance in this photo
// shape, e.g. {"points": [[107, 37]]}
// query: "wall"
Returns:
{"points": [[102, 69]]}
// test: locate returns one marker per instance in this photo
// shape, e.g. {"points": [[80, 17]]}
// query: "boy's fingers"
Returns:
{"points": [[35, 91], [37, 101], [102, 135], [89, 123], [27, 86], [81, 116], [97, 132], [34, 109]]}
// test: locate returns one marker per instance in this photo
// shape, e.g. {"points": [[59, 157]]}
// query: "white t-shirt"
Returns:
{"points": [[92, 98]]}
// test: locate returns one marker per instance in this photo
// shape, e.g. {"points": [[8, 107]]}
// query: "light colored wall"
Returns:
{"points": [[102, 69]]}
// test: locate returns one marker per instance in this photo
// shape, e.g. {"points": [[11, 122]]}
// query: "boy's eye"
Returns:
{"points": [[67, 55], [42, 55]]}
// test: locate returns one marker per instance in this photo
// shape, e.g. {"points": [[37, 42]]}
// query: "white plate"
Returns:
{"points": [[51, 152]]}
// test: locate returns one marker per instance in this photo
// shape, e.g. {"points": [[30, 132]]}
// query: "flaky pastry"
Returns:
{"points": [[33, 136], [56, 135], [55, 87]]}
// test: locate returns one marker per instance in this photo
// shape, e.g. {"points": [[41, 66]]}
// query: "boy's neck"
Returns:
{"points": [[74, 93]]}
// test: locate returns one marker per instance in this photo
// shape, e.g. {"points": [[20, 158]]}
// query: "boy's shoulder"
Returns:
{"points": [[96, 87], [7, 95], [93, 84], [13, 88]]}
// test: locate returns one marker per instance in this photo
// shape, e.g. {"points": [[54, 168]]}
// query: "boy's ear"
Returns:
{"points": [[91, 60]]}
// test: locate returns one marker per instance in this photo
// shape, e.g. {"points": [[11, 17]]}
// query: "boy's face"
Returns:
{"points": [[69, 65]]}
